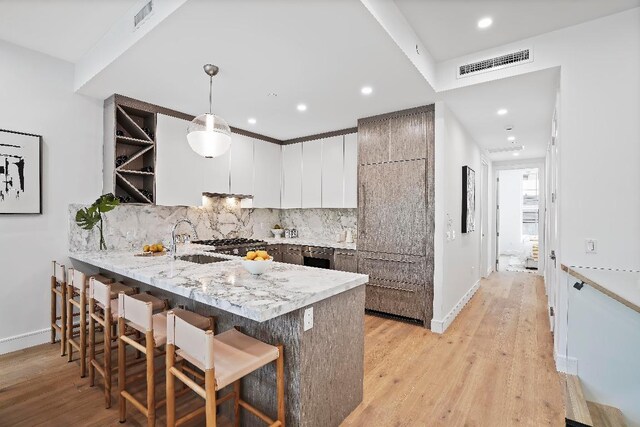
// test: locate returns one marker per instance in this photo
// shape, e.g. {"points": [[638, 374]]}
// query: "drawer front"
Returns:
{"points": [[345, 260], [276, 252], [398, 298], [394, 268], [292, 254]]}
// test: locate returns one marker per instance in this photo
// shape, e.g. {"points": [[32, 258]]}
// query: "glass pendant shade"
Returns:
{"points": [[209, 135]]}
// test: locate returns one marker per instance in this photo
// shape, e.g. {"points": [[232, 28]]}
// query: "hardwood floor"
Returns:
{"points": [[493, 367]]}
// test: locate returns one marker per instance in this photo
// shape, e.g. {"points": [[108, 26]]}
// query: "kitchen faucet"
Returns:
{"points": [[173, 234]]}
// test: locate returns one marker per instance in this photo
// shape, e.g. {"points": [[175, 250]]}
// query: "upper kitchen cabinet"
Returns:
{"points": [[333, 172], [408, 139], [241, 164], [351, 170], [267, 167], [373, 142], [291, 176], [312, 174], [177, 183]]}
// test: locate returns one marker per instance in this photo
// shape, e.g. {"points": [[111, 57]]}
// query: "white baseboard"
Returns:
{"points": [[567, 365], [439, 326], [29, 339]]}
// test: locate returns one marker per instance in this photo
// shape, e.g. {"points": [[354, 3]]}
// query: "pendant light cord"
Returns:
{"points": [[210, 89]]}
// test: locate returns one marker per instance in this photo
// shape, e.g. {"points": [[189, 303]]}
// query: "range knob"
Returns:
{"points": [[236, 252]]}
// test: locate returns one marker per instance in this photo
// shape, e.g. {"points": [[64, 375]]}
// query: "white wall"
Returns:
{"points": [[37, 97], [600, 92], [457, 260], [510, 195]]}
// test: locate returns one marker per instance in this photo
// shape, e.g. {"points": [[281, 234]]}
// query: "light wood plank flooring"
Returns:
{"points": [[493, 367]]}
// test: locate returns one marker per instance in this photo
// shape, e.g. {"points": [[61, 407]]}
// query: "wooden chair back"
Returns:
{"points": [[136, 311]]}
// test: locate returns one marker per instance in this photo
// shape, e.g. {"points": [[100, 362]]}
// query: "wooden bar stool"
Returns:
{"points": [[59, 290], [76, 293], [139, 316], [103, 310], [224, 359]]}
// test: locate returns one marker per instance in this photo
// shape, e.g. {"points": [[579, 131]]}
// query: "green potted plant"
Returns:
{"points": [[89, 217]]}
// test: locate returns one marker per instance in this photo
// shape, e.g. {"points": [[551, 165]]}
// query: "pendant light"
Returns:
{"points": [[209, 135]]}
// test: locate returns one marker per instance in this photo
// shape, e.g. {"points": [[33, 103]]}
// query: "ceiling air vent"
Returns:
{"points": [[142, 14], [503, 61], [506, 149]]}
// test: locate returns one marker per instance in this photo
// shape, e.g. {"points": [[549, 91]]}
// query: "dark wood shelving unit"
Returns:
{"points": [[130, 128]]}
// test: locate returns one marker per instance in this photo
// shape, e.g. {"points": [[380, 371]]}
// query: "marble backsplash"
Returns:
{"points": [[131, 226], [321, 224]]}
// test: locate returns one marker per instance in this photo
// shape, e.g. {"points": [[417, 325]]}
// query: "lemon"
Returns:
{"points": [[263, 254], [146, 248], [251, 255], [160, 247], [258, 258]]}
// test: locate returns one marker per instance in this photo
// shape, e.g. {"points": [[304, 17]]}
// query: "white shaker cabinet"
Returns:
{"points": [[312, 174], [180, 172], [266, 174], [351, 170], [291, 176], [333, 172], [241, 164]]}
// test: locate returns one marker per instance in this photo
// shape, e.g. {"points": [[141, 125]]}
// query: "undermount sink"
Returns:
{"points": [[201, 259]]}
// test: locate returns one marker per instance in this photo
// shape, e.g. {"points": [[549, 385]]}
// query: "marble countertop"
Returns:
{"points": [[227, 285], [623, 286], [310, 242]]}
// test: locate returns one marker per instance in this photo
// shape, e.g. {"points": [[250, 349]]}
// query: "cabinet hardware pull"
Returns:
{"points": [[363, 210], [391, 287], [389, 260], [380, 279]]}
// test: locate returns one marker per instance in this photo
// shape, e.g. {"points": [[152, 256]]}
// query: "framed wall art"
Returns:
{"points": [[468, 199], [20, 173]]}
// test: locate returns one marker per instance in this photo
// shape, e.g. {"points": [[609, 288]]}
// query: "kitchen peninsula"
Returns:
{"points": [[323, 364]]}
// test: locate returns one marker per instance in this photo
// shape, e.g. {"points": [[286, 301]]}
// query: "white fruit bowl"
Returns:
{"points": [[257, 267], [277, 232]]}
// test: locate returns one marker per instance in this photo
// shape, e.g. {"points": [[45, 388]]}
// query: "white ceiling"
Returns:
{"points": [[448, 28], [317, 52], [65, 29], [529, 99]]}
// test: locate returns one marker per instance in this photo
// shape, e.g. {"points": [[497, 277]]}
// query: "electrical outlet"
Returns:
{"points": [[308, 318], [591, 246]]}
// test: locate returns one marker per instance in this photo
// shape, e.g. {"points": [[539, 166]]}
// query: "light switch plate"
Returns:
{"points": [[308, 318], [591, 246]]}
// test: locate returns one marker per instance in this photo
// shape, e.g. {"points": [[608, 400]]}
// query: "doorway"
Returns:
{"points": [[518, 220]]}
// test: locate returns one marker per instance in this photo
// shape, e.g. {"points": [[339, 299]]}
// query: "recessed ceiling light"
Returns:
{"points": [[301, 107], [367, 90], [516, 154], [502, 111], [272, 94], [251, 121], [485, 23], [511, 138]]}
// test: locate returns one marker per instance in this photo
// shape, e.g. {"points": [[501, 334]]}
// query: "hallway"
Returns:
{"points": [[493, 367]]}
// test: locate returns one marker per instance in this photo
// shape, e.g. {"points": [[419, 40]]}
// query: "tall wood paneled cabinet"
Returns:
{"points": [[396, 211]]}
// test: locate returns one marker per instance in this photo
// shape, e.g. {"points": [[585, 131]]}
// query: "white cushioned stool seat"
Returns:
{"points": [[235, 355]]}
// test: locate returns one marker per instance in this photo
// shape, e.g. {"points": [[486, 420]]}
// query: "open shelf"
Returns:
{"points": [[133, 141], [136, 123]]}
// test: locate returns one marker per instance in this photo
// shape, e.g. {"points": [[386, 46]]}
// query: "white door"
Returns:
{"points": [[351, 170], [332, 172], [179, 170], [312, 174], [241, 164], [292, 176], [266, 174], [484, 219]]}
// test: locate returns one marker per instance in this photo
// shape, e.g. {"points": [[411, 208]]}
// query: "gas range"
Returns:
{"points": [[236, 246]]}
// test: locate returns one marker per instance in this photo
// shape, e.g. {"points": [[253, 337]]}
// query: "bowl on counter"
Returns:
{"points": [[277, 232], [257, 267]]}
